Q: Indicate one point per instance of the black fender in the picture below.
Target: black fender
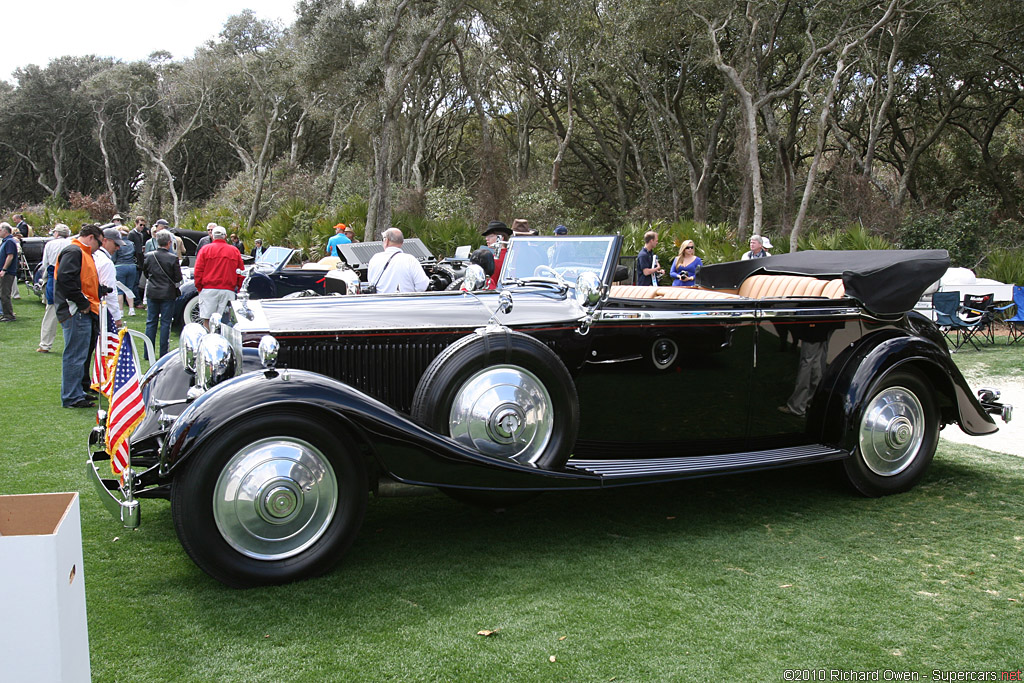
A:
(841, 397)
(261, 286)
(399, 447)
(188, 292)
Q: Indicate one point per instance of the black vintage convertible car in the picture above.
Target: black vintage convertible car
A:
(268, 436)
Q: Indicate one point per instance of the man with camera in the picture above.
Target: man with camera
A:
(392, 270)
(77, 292)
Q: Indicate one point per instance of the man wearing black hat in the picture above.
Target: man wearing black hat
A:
(497, 235)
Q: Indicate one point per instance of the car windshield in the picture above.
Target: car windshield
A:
(275, 256)
(557, 257)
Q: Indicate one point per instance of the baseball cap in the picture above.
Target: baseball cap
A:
(114, 235)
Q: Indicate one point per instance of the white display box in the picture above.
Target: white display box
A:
(44, 635)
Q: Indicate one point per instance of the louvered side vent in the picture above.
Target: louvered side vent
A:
(386, 370)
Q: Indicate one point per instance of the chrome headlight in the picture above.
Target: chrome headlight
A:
(588, 289)
(216, 361)
(268, 351)
(475, 278)
(191, 336)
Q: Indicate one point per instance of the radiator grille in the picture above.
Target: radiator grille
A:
(384, 368)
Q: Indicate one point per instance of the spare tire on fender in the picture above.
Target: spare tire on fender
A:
(503, 394)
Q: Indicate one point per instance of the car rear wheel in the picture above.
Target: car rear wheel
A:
(503, 394)
(897, 434)
(269, 500)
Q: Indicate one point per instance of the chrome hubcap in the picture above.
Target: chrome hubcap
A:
(275, 498)
(891, 431)
(503, 411)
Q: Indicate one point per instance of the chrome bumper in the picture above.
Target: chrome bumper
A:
(989, 399)
(119, 499)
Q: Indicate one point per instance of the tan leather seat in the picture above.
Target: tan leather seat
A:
(779, 286)
(754, 287)
(632, 292)
(835, 289)
(692, 293)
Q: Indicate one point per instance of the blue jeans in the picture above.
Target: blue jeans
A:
(77, 339)
(162, 311)
(128, 275)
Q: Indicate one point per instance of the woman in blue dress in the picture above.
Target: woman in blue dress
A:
(685, 265)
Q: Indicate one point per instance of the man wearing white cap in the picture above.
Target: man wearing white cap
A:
(217, 275)
(758, 247)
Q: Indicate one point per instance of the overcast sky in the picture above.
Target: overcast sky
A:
(36, 31)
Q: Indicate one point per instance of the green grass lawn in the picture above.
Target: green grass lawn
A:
(717, 579)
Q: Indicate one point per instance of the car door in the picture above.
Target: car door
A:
(666, 377)
(798, 340)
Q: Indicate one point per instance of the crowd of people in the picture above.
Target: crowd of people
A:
(92, 276)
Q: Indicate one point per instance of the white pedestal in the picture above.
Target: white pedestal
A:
(44, 635)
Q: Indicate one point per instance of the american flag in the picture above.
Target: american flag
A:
(126, 406)
(103, 358)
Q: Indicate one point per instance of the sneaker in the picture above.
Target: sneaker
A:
(42, 350)
(82, 403)
(7, 318)
(131, 311)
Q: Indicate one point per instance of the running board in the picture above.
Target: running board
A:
(640, 470)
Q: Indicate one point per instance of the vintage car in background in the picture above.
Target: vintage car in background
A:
(268, 435)
(282, 272)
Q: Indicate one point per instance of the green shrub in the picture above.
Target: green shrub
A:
(855, 238)
(43, 217)
(544, 209)
(295, 224)
(961, 232)
(1005, 265)
(444, 203)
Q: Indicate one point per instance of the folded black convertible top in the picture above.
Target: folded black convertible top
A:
(885, 281)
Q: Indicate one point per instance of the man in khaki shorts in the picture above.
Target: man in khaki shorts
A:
(217, 275)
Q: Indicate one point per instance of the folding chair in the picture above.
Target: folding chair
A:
(981, 305)
(1016, 322)
(948, 318)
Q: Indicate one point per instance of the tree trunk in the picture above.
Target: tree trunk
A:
(378, 215)
(556, 166)
(263, 165)
(108, 175)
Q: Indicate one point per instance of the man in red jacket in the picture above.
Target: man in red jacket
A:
(218, 275)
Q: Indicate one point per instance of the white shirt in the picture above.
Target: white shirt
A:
(403, 273)
(52, 250)
(108, 278)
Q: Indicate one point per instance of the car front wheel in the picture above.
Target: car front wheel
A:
(269, 500)
(503, 394)
(897, 433)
